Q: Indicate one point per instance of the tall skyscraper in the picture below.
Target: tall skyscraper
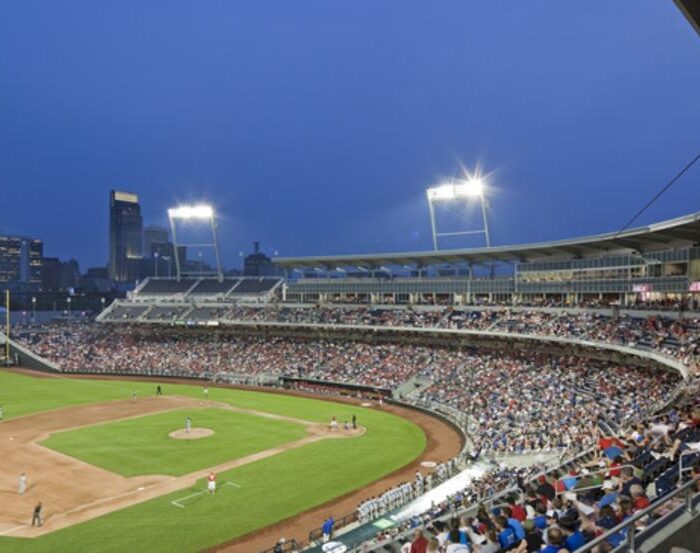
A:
(153, 235)
(125, 236)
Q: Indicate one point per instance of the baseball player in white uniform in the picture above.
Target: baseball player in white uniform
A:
(211, 483)
(22, 485)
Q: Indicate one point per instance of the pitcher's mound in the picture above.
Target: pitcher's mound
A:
(193, 434)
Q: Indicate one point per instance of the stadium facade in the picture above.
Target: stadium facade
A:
(657, 262)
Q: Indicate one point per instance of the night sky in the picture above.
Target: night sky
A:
(315, 126)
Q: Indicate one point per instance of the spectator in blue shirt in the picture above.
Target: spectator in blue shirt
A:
(327, 528)
(541, 516)
(513, 523)
(573, 536)
(506, 535)
(554, 539)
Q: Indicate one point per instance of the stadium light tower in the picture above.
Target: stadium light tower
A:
(468, 190)
(193, 213)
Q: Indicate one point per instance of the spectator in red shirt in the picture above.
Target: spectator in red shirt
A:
(518, 512)
(420, 543)
(639, 499)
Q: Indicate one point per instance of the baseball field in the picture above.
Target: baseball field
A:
(100, 457)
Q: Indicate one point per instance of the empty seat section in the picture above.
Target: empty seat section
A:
(212, 286)
(255, 285)
(166, 286)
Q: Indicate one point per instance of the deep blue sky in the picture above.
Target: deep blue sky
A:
(314, 126)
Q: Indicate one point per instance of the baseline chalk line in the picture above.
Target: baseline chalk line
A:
(177, 502)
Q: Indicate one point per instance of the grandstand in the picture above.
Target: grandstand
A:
(655, 267)
(659, 262)
(206, 288)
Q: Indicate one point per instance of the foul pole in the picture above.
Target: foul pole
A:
(7, 327)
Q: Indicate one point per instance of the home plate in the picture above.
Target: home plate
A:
(141, 488)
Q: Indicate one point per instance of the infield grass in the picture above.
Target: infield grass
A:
(140, 446)
(271, 489)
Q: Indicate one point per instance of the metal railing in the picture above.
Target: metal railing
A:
(681, 457)
(590, 474)
(633, 540)
(288, 546)
(316, 535)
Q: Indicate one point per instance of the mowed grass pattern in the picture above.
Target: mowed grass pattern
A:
(271, 489)
(140, 446)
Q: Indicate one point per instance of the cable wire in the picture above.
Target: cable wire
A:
(658, 194)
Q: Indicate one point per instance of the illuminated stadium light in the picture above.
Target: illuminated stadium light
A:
(198, 212)
(201, 211)
(470, 188)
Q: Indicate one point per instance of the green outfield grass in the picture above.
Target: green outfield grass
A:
(270, 490)
(140, 446)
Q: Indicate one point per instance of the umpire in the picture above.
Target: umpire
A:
(36, 516)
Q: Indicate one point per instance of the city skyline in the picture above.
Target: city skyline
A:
(317, 143)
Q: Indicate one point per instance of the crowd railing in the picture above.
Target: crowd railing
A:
(634, 540)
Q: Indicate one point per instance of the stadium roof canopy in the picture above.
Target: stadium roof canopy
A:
(683, 231)
(691, 10)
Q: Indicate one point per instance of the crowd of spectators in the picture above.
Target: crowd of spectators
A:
(126, 350)
(525, 402)
(664, 334)
(563, 510)
(668, 335)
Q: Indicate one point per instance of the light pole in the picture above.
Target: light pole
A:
(68, 300)
(102, 301)
(471, 188)
(192, 213)
(33, 309)
(155, 257)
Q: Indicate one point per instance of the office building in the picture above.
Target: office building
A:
(20, 260)
(125, 236)
(59, 275)
(153, 235)
(259, 264)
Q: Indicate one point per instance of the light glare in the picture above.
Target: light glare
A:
(457, 189)
(191, 212)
